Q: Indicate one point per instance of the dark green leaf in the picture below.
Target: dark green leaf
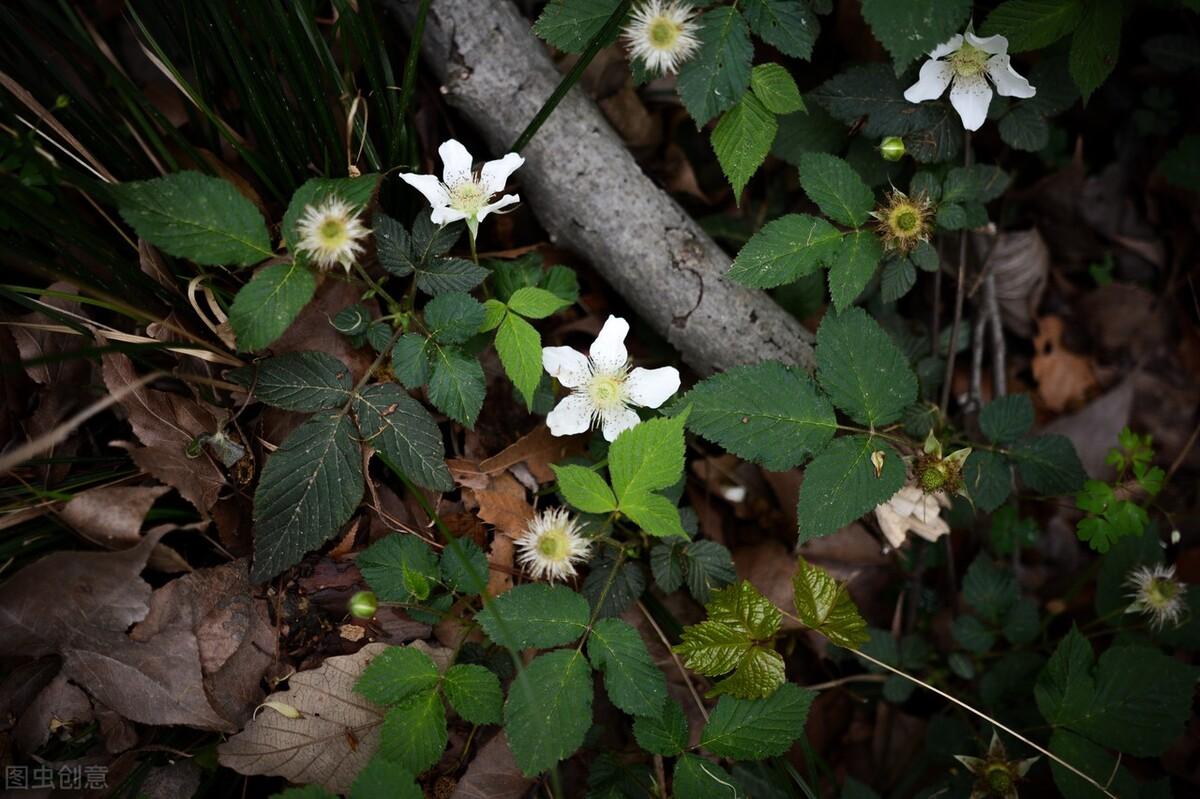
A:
(410, 360)
(665, 734)
(397, 673)
(269, 303)
(535, 615)
(912, 28)
(987, 479)
(786, 249)
(708, 566)
(1049, 465)
(742, 140)
(633, 682)
(549, 710)
(414, 732)
(1007, 418)
(697, 778)
(474, 693)
(753, 729)
(442, 275)
(453, 317)
(862, 370)
(836, 188)
(973, 634)
(297, 381)
(612, 584)
(840, 484)
(399, 568)
(457, 387)
(787, 25)
(1096, 45)
(383, 779)
(401, 430)
(570, 25)
(719, 74)
(1032, 24)
(990, 590)
(853, 266)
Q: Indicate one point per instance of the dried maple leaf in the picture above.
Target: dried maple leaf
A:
(1064, 379)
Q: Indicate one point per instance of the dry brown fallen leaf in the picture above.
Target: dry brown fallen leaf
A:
(1020, 262)
(111, 516)
(493, 774)
(332, 740)
(537, 449)
(1064, 378)
(1094, 428)
(60, 704)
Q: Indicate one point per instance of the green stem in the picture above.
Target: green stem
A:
(474, 252)
(393, 305)
(594, 46)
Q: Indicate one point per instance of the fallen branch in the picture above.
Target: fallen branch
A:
(592, 197)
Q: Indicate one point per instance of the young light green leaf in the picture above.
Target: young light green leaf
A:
(825, 605)
(264, 307)
(494, 312)
(863, 372)
(836, 188)
(914, 27)
(789, 27)
(631, 679)
(648, 457)
(414, 732)
(474, 693)
(776, 88)
(401, 430)
(1007, 418)
(1032, 24)
(655, 514)
(754, 729)
(397, 673)
(309, 488)
(852, 266)
(535, 615)
(549, 710)
(768, 413)
(197, 217)
(664, 734)
(719, 74)
(535, 303)
(519, 346)
(584, 489)
(841, 484)
(399, 568)
(453, 317)
(456, 387)
(742, 140)
(297, 381)
(786, 249)
(736, 637)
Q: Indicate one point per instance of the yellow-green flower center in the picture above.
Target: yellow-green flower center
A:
(1161, 592)
(663, 32)
(333, 231)
(468, 197)
(999, 779)
(607, 391)
(968, 61)
(553, 545)
(907, 220)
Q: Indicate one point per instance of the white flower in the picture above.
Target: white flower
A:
(330, 233)
(552, 545)
(969, 64)
(662, 35)
(602, 385)
(462, 193)
(912, 510)
(1157, 593)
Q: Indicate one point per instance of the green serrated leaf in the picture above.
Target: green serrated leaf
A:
(570, 25)
(474, 693)
(264, 308)
(990, 590)
(786, 249)
(664, 734)
(1049, 464)
(874, 92)
(852, 266)
(443, 275)
(707, 566)
(549, 710)
(825, 605)
(535, 303)
(1096, 45)
(309, 488)
(667, 566)
(410, 360)
(788, 26)
(396, 674)
(464, 566)
(535, 615)
(197, 217)
(1032, 24)
(393, 245)
(768, 413)
(297, 381)
(453, 317)
(633, 682)
(697, 778)
(862, 370)
(1007, 418)
(383, 779)
(718, 75)
(973, 634)
(736, 637)
(754, 729)
(836, 188)
(402, 431)
(519, 346)
(742, 140)
(654, 514)
(840, 484)
(913, 28)
(396, 564)
(584, 489)
(987, 478)
(979, 183)
(612, 584)
(413, 734)
(898, 278)
(1023, 128)
(775, 87)
(351, 320)
(648, 457)
(456, 386)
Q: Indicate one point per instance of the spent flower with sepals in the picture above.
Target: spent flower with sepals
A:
(331, 234)
(662, 35)
(912, 510)
(552, 545)
(970, 65)
(462, 193)
(996, 776)
(903, 222)
(603, 387)
(1156, 593)
(936, 472)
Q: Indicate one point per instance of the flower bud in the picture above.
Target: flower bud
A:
(892, 148)
(363, 605)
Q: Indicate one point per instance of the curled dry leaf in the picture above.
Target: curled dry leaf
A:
(333, 739)
(1020, 262)
(111, 516)
(537, 449)
(60, 704)
(1064, 378)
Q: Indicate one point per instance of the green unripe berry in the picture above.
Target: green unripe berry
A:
(892, 148)
(933, 478)
(363, 605)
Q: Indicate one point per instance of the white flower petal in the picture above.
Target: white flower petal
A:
(608, 351)
(618, 421)
(569, 366)
(947, 47)
(933, 80)
(445, 215)
(456, 162)
(989, 44)
(494, 174)
(503, 202)
(1009, 82)
(650, 388)
(430, 186)
(572, 415)
(971, 98)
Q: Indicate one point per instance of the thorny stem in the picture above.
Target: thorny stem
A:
(960, 290)
(594, 46)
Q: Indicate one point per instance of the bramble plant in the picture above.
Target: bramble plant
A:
(503, 547)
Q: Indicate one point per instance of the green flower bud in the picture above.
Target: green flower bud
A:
(892, 148)
(363, 605)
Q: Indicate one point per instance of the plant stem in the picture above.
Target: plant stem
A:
(474, 252)
(959, 293)
(393, 306)
(594, 46)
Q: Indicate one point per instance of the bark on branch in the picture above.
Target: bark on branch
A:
(592, 197)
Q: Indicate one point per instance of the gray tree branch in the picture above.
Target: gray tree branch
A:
(591, 196)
